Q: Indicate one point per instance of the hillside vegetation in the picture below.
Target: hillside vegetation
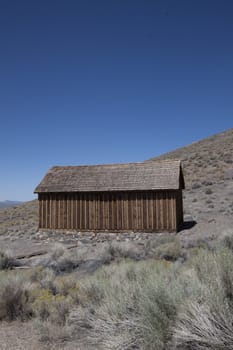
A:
(208, 160)
(19, 220)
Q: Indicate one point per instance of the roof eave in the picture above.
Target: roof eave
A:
(106, 190)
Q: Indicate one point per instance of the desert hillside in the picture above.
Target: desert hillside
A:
(208, 170)
(19, 220)
(210, 159)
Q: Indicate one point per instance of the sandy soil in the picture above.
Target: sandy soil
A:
(23, 336)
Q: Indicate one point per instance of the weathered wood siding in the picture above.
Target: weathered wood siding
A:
(114, 211)
(179, 208)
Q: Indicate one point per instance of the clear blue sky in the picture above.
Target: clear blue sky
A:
(105, 81)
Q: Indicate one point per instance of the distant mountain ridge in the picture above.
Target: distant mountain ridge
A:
(9, 203)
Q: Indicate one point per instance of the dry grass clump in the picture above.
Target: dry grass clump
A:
(201, 328)
(39, 295)
(120, 250)
(52, 333)
(52, 298)
(49, 307)
(14, 297)
(117, 250)
(50, 314)
(60, 260)
(43, 278)
(160, 305)
(130, 305)
(7, 261)
(166, 247)
(227, 239)
(205, 322)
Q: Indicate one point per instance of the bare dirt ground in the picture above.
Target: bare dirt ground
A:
(24, 336)
(18, 336)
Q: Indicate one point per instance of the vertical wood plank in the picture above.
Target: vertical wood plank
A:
(90, 211)
(130, 218)
(74, 212)
(145, 211)
(78, 224)
(47, 212)
(110, 212)
(39, 211)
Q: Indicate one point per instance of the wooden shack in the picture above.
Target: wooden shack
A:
(117, 197)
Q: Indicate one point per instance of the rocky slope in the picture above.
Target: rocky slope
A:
(205, 161)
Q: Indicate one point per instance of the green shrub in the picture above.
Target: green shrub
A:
(42, 299)
(7, 261)
(201, 328)
(227, 240)
(214, 270)
(50, 315)
(155, 305)
(60, 260)
(122, 250)
(57, 251)
(44, 278)
(14, 297)
(50, 333)
(65, 284)
(136, 304)
(48, 307)
(205, 322)
(165, 247)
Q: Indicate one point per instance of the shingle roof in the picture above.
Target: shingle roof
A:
(150, 175)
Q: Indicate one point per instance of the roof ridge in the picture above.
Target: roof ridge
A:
(115, 164)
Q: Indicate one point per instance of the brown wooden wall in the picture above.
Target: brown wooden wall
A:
(179, 208)
(134, 211)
